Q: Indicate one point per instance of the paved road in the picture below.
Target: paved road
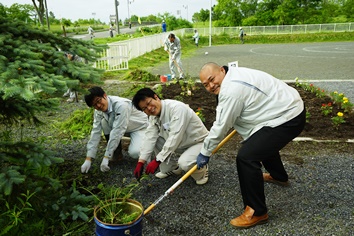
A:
(325, 64)
(105, 34)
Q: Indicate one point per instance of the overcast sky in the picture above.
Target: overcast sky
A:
(102, 9)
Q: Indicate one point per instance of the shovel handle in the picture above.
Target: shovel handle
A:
(186, 175)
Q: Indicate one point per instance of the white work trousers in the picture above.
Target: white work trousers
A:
(136, 139)
(176, 63)
(186, 159)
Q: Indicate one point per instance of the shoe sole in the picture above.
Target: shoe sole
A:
(261, 222)
(168, 174)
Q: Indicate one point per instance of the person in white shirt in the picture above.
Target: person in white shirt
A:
(268, 114)
(196, 37)
(241, 34)
(173, 46)
(115, 117)
(174, 136)
(90, 32)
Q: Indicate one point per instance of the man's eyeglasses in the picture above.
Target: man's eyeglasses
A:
(147, 104)
(96, 102)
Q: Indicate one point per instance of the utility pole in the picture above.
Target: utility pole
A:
(46, 12)
(186, 7)
(116, 3)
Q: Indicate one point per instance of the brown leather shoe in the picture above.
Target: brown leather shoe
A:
(247, 219)
(269, 179)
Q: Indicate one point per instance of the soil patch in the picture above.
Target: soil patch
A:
(319, 126)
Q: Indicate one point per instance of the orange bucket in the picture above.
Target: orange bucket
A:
(163, 78)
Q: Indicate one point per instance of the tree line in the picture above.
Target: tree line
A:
(277, 12)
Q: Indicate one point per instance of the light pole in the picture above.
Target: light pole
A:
(116, 3)
(210, 23)
(130, 22)
(93, 15)
(186, 7)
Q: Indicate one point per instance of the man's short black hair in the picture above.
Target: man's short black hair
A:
(94, 92)
(171, 36)
(141, 95)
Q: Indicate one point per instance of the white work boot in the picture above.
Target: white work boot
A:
(161, 175)
(205, 177)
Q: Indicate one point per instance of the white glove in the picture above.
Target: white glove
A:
(104, 164)
(86, 166)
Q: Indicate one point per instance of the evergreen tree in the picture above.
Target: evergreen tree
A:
(33, 66)
(34, 69)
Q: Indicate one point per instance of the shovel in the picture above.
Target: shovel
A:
(186, 175)
(176, 64)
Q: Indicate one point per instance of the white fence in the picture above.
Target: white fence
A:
(275, 29)
(114, 58)
(119, 53)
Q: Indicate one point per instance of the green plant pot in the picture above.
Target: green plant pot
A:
(129, 214)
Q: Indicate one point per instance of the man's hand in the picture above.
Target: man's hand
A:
(104, 164)
(139, 170)
(152, 167)
(202, 160)
(86, 166)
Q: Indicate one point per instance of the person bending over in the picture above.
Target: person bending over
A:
(268, 114)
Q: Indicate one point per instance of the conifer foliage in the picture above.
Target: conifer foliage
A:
(34, 71)
(33, 66)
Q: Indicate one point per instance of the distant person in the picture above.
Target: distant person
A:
(174, 137)
(71, 93)
(130, 24)
(196, 37)
(115, 117)
(164, 26)
(241, 34)
(111, 28)
(268, 114)
(91, 32)
(173, 47)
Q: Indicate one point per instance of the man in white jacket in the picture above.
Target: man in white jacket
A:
(115, 117)
(174, 136)
(268, 114)
(196, 37)
(173, 47)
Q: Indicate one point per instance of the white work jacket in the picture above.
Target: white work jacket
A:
(249, 100)
(173, 48)
(178, 125)
(122, 118)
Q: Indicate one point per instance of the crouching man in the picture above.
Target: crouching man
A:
(175, 136)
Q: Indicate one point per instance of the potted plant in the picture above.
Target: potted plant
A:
(116, 213)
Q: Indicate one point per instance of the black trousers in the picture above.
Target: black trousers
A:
(263, 148)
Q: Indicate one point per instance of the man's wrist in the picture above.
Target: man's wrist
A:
(88, 159)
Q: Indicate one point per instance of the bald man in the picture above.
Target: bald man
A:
(268, 114)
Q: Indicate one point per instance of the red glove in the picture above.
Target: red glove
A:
(139, 170)
(152, 167)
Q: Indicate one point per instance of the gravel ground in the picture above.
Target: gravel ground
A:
(319, 200)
